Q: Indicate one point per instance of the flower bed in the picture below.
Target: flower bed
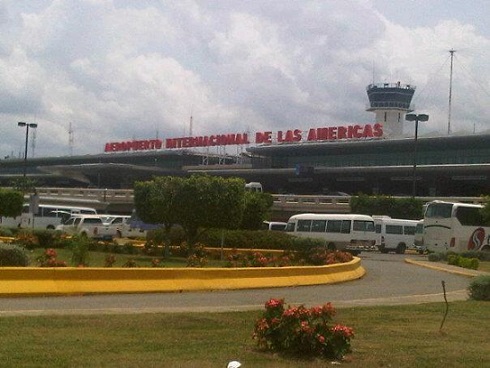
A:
(301, 331)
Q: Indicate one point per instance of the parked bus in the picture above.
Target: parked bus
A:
(352, 233)
(456, 227)
(394, 235)
(418, 240)
(49, 216)
(10, 221)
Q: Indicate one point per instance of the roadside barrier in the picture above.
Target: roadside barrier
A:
(66, 280)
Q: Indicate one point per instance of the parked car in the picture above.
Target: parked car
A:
(121, 223)
(91, 226)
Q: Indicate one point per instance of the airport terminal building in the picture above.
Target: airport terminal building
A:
(371, 158)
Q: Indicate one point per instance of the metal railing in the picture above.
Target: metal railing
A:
(127, 195)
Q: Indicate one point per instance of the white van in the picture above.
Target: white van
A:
(274, 225)
(394, 235)
(254, 186)
(347, 232)
(49, 216)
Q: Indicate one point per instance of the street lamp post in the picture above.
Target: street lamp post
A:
(27, 125)
(416, 118)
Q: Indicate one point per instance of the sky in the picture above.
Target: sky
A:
(90, 72)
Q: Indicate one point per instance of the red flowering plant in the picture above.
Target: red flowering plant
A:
(48, 259)
(301, 331)
(198, 256)
(155, 262)
(109, 260)
(323, 256)
(27, 240)
(259, 260)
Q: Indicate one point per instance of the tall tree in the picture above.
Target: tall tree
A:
(257, 209)
(11, 202)
(196, 203)
(209, 202)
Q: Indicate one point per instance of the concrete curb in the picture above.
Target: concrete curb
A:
(446, 268)
(65, 280)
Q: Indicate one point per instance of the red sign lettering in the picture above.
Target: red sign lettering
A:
(289, 136)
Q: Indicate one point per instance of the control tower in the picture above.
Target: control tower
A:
(390, 102)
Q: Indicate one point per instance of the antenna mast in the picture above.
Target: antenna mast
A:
(452, 51)
(70, 139)
(33, 143)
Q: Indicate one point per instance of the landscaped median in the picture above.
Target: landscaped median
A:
(62, 280)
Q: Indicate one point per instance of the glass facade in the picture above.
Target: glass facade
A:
(377, 155)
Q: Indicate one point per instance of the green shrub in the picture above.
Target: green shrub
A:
(453, 260)
(481, 256)
(12, 255)
(239, 239)
(129, 248)
(6, 231)
(159, 236)
(80, 247)
(460, 261)
(47, 238)
(247, 239)
(470, 263)
(479, 288)
(434, 257)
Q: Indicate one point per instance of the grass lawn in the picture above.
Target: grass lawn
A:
(484, 266)
(395, 336)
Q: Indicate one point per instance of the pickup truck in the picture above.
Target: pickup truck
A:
(91, 226)
(122, 226)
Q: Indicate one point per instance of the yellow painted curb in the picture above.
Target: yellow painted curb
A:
(65, 280)
(439, 267)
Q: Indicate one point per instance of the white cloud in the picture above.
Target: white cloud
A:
(123, 69)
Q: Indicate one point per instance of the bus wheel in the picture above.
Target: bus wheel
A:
(50, 227)
(401, 249)
(331, 246)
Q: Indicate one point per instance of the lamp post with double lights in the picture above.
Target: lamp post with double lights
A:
(27, 125)
(416, 118)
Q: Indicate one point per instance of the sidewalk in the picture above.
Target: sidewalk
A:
(447, 268)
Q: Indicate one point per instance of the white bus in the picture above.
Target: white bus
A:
(456, 227)
(49, 216)
(394, 235)
(352, 233)
(418, 240)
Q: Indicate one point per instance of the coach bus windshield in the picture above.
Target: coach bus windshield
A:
(439, 210)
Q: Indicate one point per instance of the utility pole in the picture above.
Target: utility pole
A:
(452, 51)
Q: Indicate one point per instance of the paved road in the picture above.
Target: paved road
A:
(389, 281)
